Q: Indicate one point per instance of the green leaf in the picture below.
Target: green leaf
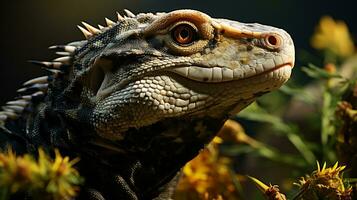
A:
(318, 73)
(327, 128)
(4, 193)
(299, 93)
(266, 152)
(236, 183)
(256, 113)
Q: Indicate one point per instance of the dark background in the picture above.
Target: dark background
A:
(29, 27)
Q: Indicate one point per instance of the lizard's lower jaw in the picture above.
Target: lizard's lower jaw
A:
(222, 74)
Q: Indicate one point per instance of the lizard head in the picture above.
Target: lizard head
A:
(183, 64)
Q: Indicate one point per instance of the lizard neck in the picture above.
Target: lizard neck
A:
(149, 157)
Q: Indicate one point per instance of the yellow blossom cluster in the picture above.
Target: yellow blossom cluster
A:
(324, 183)
(207, 177)
(333, 36)
(43, 179)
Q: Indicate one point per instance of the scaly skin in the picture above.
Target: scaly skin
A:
(139, 98)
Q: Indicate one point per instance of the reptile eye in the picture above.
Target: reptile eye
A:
(184, 34)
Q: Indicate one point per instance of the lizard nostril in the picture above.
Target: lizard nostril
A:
(273, 41)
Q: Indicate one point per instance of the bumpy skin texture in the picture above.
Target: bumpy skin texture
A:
(139, 98)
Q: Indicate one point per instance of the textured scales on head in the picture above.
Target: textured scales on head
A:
(147, 92)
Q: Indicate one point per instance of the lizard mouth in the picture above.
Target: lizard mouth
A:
(221, 74)
(102, 88)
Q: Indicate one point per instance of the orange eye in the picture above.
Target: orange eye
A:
(184, 34)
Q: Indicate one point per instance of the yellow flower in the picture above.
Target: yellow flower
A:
(208, 176)
(15, 172)
(42, 178)
(333, 36)
(59, 177)
(324, 183)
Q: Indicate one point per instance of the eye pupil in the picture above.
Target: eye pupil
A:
(183, 34)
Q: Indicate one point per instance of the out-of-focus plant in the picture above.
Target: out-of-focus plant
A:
(43, 178)
(271, 192)
(333, 36)
(347, 134)
(208, 176)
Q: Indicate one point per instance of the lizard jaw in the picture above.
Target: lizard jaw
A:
(221, 74)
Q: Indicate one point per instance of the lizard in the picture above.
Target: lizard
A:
(140, 97)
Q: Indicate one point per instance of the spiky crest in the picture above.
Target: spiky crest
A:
(35, 89)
